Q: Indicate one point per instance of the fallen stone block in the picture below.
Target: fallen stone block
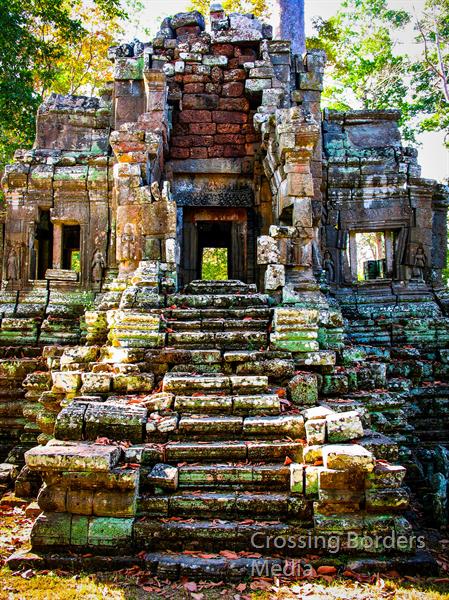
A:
(316, 412)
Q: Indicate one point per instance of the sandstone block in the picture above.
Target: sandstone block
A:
(66, 381)
(274, 277)
(52, 529)
(296, 478)
(315, 431)
(303, 389)
(95, 383)
(380, 500)
(77, 457)
(352, 456)
(164, 476)
(344, 426)
(110, 532)
(267, 250)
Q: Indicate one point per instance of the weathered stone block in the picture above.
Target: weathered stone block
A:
(296, 478)
(110, 532)
(52, 529)
(315, 431)
(95, 383)
(76, 457)
(274, 277)
(66, 381)
(164, 476)
(388, 499)
(342, 427)
(352, 457)
(303, 389)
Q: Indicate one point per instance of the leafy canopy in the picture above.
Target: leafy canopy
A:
(257, 7)
(46, 45)
(367, 67)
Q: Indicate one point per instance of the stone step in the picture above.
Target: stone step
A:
(237, 405)
(269, 476)
(221, 339)
(212, 325)
(187, 314)
(216, 451)
(231, 504)
(188, 384)
(229, 286)
(217, 300)
(234, 427)
(221, 566)
(211, 536)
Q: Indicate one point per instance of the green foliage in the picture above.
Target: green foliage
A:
(364, 70)
(215, 264)
(37, 36)
(430, 75)
(257, 7)
(367, 70)
(75, 261)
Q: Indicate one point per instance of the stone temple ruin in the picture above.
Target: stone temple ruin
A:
(152, 411)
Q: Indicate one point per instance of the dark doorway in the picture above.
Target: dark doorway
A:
(209, 228)
(42, 253)
(71, 236)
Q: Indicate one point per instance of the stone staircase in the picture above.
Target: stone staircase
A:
(230, 315)
(205, 440)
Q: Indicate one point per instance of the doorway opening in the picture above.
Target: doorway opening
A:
(214, 264)
(214, 249)
(42, 257)
(214, 244)
(71, 245)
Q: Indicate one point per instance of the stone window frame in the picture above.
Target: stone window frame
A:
(393, 254)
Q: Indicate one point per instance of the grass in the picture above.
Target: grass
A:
(134, 584)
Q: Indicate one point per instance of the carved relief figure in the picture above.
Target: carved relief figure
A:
(419, 263)
(329, 267)
(128, 243)
(98, 264)
(12, 270)
(297, 243)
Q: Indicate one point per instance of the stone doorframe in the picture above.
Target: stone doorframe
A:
(238, 242)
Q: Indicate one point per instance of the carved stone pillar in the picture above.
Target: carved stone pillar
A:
(57, 245)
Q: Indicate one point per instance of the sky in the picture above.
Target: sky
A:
(433, 156)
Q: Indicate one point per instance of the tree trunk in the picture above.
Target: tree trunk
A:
(291, 24)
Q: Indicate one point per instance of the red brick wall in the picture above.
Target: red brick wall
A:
(215, 120)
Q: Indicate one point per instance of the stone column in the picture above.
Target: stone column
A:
(57, 245)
